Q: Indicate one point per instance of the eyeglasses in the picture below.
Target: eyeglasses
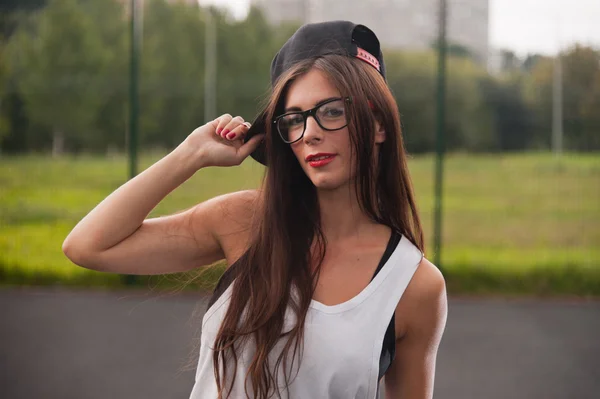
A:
(330, 115)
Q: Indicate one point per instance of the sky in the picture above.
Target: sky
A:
(524, 26)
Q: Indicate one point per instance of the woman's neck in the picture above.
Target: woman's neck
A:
(341, 216)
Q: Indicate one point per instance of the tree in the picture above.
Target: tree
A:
(4, 119)
(246, 49)
(412, 78)
(531, 61)
(468, 118)
(580, 66)
(110, 122)
(13, 119)
(172, 78)
(590, 111)
(172, 72)
(58, 68)
(509, 61)
(512, 117)
(455, 50)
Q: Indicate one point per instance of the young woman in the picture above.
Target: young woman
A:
(327, 291)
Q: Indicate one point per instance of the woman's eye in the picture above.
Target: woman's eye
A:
(295, 120)
(333, 112)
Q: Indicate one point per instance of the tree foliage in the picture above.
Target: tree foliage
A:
(64, 74)
(580, 69)
(59, 69)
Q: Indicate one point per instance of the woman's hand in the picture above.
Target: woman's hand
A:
(221, 142)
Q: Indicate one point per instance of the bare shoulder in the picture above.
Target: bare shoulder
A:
(230, 217)
(238, 203)
(428, 282)
(424, 304)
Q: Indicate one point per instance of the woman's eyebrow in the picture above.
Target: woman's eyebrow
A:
(320, 102)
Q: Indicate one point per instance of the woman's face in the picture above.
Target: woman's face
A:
(325, 156)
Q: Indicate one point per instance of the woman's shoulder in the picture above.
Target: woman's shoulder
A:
(424, 300)
(428, 281)
(237, 198)
(232, 217)
(238, 206)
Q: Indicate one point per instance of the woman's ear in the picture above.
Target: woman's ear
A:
(379, 132)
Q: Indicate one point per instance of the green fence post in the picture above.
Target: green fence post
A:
(440, 145)
(135, 39)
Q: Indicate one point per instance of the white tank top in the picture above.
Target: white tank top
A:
(342, 343)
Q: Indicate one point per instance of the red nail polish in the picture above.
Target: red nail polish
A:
(219, 129)
(225, 132)
(231, 136)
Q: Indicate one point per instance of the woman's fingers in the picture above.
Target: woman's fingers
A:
(228, 130)
(238, 132)
(247, 148)
(231, 128)
(223, 121)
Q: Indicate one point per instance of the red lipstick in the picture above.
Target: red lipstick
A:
(320, 159)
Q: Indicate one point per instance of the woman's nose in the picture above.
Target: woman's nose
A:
(313, 131)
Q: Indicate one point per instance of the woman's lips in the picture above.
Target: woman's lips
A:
(322, 161)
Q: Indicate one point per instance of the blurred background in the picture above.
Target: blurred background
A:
(500, 105)
(90, 95)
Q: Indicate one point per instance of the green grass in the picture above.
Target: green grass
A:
(513, 224)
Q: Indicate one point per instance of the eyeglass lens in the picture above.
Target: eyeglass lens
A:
(330, 116)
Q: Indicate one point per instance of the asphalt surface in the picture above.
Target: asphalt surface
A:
(89, 345)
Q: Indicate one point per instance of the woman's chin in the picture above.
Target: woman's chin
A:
(326, 182)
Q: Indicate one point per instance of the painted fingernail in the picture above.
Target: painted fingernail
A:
(231, 136)
(225, 132)
(219, 129)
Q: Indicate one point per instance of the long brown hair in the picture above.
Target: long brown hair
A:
(279, 271)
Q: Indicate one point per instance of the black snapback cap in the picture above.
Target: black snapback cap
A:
(314, 41)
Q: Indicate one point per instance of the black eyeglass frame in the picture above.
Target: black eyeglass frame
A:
(311, 112)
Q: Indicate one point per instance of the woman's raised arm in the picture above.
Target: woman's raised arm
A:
(116, 236)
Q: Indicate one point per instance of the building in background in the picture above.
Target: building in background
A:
(406, 24)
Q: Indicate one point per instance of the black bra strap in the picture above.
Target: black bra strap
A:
(388, 349)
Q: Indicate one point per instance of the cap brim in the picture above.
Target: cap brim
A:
(259, 126)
